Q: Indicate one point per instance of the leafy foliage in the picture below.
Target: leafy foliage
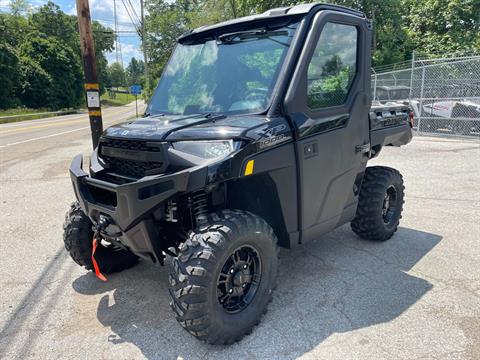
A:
(9, 75)
(116, 75)
(34, 82)
(19, 7)
(400, 26)
(45, 43)
(429, 27)
(134, 72)
(62, 66)
(447, 26)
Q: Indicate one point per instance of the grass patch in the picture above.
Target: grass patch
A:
(22, 114)
(118, 100)
(21, 111)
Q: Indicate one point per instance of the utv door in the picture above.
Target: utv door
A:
(329, 102)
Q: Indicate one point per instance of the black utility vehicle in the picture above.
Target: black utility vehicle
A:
(257, 136)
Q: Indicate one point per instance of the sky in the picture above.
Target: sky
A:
(102, 11)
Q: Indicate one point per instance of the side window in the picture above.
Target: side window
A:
(333, 66)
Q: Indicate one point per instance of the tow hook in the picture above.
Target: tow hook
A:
(101, 225)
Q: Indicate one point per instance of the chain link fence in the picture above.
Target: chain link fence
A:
(443, 92)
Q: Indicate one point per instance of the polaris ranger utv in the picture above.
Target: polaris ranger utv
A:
(256, 137)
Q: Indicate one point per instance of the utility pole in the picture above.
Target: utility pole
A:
(118, 44)
(115, 25)
(90, 70)
(144, 44)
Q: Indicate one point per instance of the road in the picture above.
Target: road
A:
(415, 296)
(19, 133)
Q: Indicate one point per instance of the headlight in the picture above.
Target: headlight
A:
(205, 149)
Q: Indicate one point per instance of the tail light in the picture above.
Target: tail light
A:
(410, 119)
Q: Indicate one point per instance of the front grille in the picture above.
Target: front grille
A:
(132, 158)
(132, 145)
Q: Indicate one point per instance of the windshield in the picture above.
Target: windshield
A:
(234, 73)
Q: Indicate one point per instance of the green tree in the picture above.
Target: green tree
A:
(165, 22)
(13, 29)
(9, 76)
(61, 64)
(40, 67)
(390, 39)
(34, 84)
(447, 26)
(169, 19)
(52, 21)
(19, 7)
(116, 75)
(135, 71)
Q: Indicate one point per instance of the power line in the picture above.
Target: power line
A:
(135, 15)
(131, 17)
(113, 21)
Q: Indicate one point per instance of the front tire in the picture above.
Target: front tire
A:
(78, 236)
(380, 204)
(223, 278)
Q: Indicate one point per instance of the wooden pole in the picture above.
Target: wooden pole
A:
(90, 70)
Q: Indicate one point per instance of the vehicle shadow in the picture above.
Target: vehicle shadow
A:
(333, 285)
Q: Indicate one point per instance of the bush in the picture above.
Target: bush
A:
(61, 80)
(34, 83)
(9, 76)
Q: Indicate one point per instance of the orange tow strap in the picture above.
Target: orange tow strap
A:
(98, 274)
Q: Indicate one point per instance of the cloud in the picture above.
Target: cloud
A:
(128, 51)
(103, 12)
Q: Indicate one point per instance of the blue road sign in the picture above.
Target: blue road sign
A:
(135, 89)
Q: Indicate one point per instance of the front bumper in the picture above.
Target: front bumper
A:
(128, 207)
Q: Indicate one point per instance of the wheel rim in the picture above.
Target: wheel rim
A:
(389, 204)
(239, 279)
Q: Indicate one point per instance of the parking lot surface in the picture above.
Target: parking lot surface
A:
(416, 296)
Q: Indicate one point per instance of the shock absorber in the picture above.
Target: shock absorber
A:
(200, 207)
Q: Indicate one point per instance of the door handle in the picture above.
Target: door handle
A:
(310, 149)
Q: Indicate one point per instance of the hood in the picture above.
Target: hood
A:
(182, 127)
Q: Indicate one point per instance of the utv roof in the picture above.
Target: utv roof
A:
(262, 19)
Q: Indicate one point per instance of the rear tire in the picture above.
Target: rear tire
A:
(78, 237)
(223, 278)
(380, 204)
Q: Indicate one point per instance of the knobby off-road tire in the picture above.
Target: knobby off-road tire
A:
(78, 236)
(199, 288)
(380, 204)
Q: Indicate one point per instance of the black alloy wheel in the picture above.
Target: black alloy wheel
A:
(390, 203)
(239, 279)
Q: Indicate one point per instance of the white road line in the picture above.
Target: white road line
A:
(43, 137)
(47, 136)
(106, 111)
(42, 121)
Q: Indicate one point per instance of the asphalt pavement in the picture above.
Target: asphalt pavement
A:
(22, 132)
(416, 296)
